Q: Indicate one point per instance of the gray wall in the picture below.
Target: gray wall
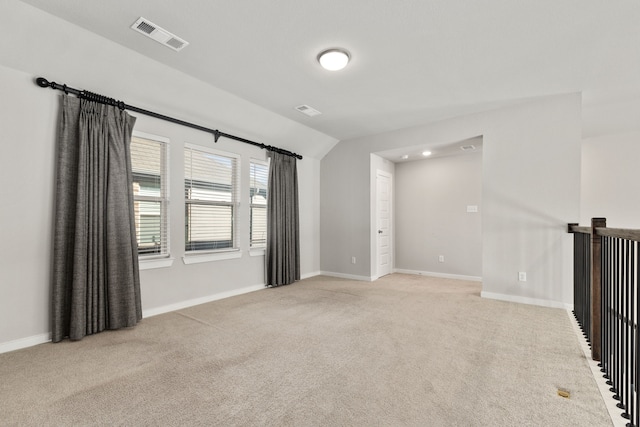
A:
(431, 199)
(28, 114)
(530, 190)
(610, 185)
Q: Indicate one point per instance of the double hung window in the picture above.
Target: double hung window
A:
(258, 180)
(150, 193)
(211, 199)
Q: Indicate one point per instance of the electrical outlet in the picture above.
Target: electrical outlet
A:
(522, 276)
(353, 260)
(441, 258)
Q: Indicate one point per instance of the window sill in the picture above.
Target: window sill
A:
(257, 252)
(212, 256)
(148, 264)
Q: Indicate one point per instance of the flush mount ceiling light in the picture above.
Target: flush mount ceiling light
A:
(334, 59)
(426, 153)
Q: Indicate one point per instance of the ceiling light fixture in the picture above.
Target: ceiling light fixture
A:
(426, 153)
(334, 59)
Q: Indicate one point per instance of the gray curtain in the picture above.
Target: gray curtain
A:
(283, 235)
(96, 283)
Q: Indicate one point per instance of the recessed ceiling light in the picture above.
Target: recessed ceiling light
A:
(426, 153)
(334, 59)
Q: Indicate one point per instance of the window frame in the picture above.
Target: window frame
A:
(210, 254)
(163, 258)
(256, 248)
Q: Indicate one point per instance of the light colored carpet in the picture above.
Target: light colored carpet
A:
(401, 351)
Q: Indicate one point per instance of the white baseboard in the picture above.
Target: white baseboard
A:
(347, 276)
(308, 275)
(442, 275)
(202, 300)
(524, 300)
(46, 337)
(6, 347)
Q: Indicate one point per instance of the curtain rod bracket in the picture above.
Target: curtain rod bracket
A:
(216, 135)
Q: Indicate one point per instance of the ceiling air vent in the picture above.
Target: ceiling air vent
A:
(305, 109)
(162, 36)
(468, 147)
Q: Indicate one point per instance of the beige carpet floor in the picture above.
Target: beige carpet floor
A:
(401, 351)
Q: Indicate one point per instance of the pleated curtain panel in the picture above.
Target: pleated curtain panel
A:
(96, 284)
(283, 229)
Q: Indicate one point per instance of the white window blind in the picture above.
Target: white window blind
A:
(258, 181)
(211, 199)
(150, 195)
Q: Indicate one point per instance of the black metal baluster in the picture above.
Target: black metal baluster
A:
(576, 269)
(636, 375)
(615, 377)
(624, 338)
(587, 286)
(605, 364)
(633, 398)
(578, 296)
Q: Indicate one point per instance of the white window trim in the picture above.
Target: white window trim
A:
(148, 262)
(151, 263)
(258, 251)
(194, 257)
(200, 257)
(146, 135)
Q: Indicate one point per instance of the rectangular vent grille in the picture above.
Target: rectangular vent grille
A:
(175, 43)
(146, 28)
(162, 36)
(307, 110)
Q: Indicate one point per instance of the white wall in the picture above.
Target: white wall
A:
(610, 184)
(531, 189)
(431, 199)
(59, 51)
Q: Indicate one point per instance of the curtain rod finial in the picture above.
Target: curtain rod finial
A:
(42, 82)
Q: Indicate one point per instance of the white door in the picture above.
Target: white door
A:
(383, 214)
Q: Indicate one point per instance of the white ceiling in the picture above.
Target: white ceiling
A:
(413, 61)
(455, 148)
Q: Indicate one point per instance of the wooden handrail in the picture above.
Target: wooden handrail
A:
(620, 233)
(574, 228)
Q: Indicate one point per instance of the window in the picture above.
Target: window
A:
(150, 195)
(258, 180)
(211, 200)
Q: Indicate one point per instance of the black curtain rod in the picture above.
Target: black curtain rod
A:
(85, 94)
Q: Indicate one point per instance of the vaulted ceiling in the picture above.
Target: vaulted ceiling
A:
(413, 61)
